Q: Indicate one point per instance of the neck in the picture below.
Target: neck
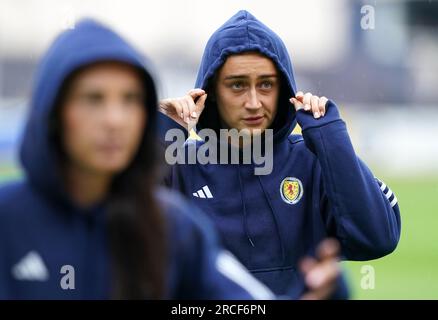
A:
(86, 187)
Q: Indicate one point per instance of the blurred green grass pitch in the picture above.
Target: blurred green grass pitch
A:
(411, 271)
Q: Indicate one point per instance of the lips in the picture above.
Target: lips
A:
(254, 120)
(110, 148)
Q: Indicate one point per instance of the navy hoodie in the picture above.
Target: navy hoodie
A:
(318, 187)
(45, 236)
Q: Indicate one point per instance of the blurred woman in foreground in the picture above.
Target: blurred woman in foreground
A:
(88, 221)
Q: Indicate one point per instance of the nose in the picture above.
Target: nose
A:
(253, 102)
(114, 116)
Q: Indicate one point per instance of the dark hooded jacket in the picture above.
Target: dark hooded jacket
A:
(318, 187)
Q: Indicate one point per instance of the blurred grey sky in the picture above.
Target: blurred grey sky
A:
(28, 26)
(325, 39)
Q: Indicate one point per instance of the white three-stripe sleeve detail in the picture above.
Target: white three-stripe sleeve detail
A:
(394, 201)
(388, 194)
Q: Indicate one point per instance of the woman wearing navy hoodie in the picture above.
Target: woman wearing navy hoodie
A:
(87, 221)
(318, 187)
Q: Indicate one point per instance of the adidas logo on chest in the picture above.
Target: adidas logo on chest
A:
(204, 192)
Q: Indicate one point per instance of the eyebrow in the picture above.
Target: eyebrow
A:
(242, 76)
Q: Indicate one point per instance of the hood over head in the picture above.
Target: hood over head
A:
(88, 43)
(244, 33)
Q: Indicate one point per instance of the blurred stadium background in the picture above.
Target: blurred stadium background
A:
(385, 80)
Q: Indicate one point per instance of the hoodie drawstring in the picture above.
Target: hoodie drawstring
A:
(245, 218)
(283, 250)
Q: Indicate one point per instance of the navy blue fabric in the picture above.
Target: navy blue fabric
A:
(341, 197)
(42, 229)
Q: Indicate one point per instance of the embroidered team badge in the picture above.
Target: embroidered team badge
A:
(291, 190)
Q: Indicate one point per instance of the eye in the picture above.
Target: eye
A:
(266, 85)
(237, 85)
(92, 98)
(133, 98)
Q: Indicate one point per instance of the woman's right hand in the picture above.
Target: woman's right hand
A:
(184, 110)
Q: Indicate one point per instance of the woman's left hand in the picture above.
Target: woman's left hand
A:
(322, 273)
(310, 103)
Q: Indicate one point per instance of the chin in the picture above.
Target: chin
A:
(111, 166)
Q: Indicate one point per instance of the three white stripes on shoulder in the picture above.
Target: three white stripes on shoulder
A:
(388, 193)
